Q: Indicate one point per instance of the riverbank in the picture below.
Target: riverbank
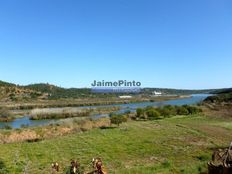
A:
(20, 106)
(98, 110)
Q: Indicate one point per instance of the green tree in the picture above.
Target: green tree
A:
(117, 119)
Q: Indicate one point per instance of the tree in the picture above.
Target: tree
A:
(117, 119)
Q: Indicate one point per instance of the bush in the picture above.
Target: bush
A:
(127, 112)
(4, 113)
(7, 127)
(118, 119)
(3, 168)
(152, 114)
(168, 111)
(149, 107)
(172, 109)
(139, 112)
(181, 110)
(192, 109)
(165, 112)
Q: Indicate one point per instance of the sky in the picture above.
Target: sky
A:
(160, 43)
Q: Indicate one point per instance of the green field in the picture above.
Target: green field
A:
(180, 144)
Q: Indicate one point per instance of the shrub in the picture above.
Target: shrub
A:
(181, 110)
(7, 127)
(167, 111)
(192, 109)
(149, 107)
(127, 112)
(3, 168)
(139, 112)
(172, 109)
(4, 113)
(118, 119)
(152, 114)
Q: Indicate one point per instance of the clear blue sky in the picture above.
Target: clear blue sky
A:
(161, 43)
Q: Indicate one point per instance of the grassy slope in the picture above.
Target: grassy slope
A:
(175, 145)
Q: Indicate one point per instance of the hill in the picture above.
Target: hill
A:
(223, 95)
(55, 92)
(6, 84)
(170, 91)
(13, 92)
(222, 91)
(220, 104)
(58, 92)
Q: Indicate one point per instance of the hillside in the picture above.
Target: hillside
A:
(6, 84)
(224, 95)
(13, 92)
(220, 104)
(55, 92)
(221, 91)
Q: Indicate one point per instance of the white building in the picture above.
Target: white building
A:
(157, 93)
(125, 96)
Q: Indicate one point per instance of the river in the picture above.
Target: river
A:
(25, 121)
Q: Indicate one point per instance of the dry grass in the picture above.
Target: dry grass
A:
(69, 112)
(218, 110)
(51, 131)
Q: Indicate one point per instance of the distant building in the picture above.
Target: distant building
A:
(157, 93)
(125, 96)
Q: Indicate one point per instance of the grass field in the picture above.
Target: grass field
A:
(180, 144)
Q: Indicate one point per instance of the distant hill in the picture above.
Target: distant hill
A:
(13, 92)
(43, 87)
(55, 92)
(223, 95)
(58, 92)
(6, 84)
(222, 91)
(177, 91)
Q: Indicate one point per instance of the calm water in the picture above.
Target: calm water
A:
(196, 98)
